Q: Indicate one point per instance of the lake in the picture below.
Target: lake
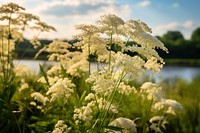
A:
(168, 71)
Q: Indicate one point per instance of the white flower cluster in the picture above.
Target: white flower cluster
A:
(57, 48)
(154, 92)
(152, 64)
(131, 65)
(128, 125)
(156, 122)
(22, 70)
(35, 42)
(103, 104)
(84, 113)
(23, 86)
(39, 97)
(63, 88)
(126, 89)
(169, 105)
(103, 83)
(60, 127)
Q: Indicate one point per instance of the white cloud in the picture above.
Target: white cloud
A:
(175, 25)
(168, 26)
(175, 5)
(188, 24)
(185, 27)
(144, 3)
(82, 11)
(65, 22)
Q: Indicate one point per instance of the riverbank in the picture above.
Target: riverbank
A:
(183, 62)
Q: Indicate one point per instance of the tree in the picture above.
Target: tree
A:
(196, 35)
(173, 36)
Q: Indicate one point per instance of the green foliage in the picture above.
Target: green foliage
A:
(173, 36)
(179, 47)
(196, 36)
(187, 121)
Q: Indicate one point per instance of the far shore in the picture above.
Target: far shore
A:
(183, 62)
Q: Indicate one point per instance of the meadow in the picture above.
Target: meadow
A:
(70, 97)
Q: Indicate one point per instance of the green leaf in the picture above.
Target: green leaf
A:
(12, 91)
(60, 102)
(82, 97)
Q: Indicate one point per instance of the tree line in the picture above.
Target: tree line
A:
(178, 46)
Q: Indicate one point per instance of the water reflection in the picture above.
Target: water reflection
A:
(168, 72)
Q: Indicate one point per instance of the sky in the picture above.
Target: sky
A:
(160, 15)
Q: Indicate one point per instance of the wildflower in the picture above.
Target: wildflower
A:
(39, 97)
(87, 30)
(173, 103)
(35, 42)
(93, 45)
(156, 118)
(23, 86)
(54, 70)
(145, 27)
(168, 105)
(33, 104)
(39, 107)
(103, 82)
(153, 91)
(106, 105)
(147, 40)
(157, 122)
(153, 64)
(23, 19)
(78, 67)
(51, 80)
(125, 89)
(89, 97)
(60, 127)
(155, 127)
(128, 125)
(58, 46)
(43, 27)
(10, 8)
(131, 27)
(110, 24)
(63, 88)
(131, 65)
(22, 70)
(84, 113)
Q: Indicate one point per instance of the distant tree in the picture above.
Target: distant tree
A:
(196, 35)
(173, 36)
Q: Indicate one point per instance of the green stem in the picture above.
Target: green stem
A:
(3, 62)
(111, 97)
(89, 56)
(109, 61)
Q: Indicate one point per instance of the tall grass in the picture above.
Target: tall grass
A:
(188, 94)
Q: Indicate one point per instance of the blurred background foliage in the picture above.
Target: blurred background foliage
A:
(178, 46)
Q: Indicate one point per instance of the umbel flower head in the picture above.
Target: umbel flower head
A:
(110, 24)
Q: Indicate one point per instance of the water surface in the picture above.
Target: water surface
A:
(168, 71)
